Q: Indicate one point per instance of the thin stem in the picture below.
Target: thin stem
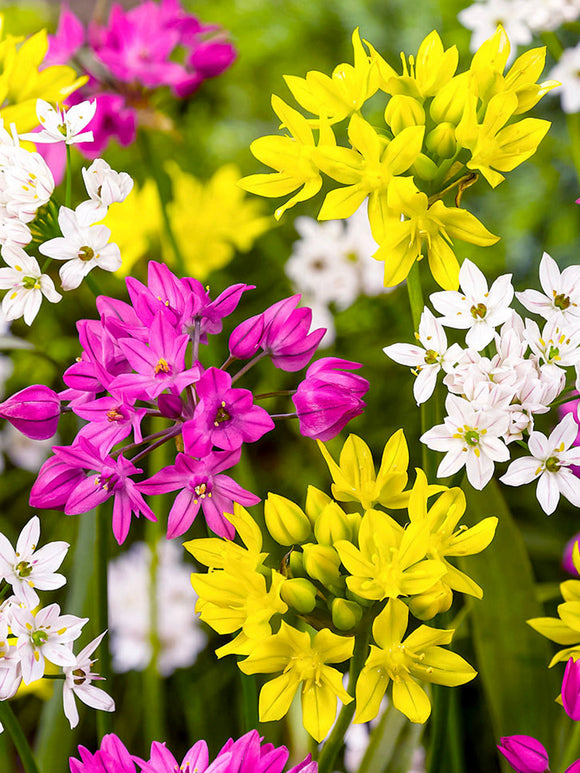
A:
(247, 366)
(93, 286)
(284, 416)
(415, 292)
(104, 718)
(175, 431)
(12, 725)
(249, 701)
(569, 399)
(147, 439)
(68, 188)
(228, 362)
(335, 740)
(195, 340)
(280, 393)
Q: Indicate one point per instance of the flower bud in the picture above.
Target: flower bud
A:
(34, 411)
(403, 111)
(354, 520)
(322, 563)
(296, 564)
(425, 167)
(285, 521)
(571, 689)
(316, 501)
(442, 140)
(437, 599)
(300, 594)
(332, 525)
(246, 338)
(345, 614)
(170, 405)
(450, 101)
(524, 754)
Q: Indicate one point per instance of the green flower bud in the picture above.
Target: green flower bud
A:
(316, 501)
(442, 140)
(345, 614)
(425, 167)
(332, 525)
(300, 594)
(296, 564)
(403, 111)
(322, 563)
(437, 599)
(286, 522)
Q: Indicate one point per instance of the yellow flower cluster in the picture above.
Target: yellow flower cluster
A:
(441, 130)
(347, 578)
(564, 629)
(23, 79)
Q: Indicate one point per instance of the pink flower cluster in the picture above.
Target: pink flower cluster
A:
(132, 55)
(141, 360)
(245, 755)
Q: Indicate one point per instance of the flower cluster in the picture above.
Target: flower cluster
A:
(493, 396)
(245, 755)
(331, 265)
(344, 574)
(133, 369)
(29, 214)
(131, 57)
(133, 624)
(441, 131)
(31, 635)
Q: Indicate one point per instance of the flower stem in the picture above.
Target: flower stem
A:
(104, 718)
(12, 725)
(335, 740)
(249, 701)
(247, 366)
(68, 179)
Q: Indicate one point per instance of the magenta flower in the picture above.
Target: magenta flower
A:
(329, 397)
(111, 419)
(224, 417)
(524, 754)
(571, 689)
(34, 411)
(567, 562)
(202, 486)
(112, 757)
(286, 338)
(54, 484)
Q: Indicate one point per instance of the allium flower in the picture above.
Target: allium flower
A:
(34, 411)
(63, 125)
(524, 754)
(571, 689)
(550, 466)
(112, 756)
(78, 681)
(483, 18)
(561, 299)
(26, 285)
(566, 72)
(27, 568)
(286, 338)
(104, 185)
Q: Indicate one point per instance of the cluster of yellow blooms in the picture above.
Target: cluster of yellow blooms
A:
(440, 131)
(346, 575)
(564, 629)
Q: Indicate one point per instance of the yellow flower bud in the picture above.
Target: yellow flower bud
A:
(425, 167)
(332, 525)
(354, 520)
(345, 614)
(322, 563)
(285, 521)
(442, 140)
(300, 594)
(316, 501)
(296, 564)
(403, 111)
(450, 102)
(437, 599)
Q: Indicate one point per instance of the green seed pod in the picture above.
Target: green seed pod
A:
(286, 522)
(403, 111)
(345, 614)
(332, 525)
(300, 594)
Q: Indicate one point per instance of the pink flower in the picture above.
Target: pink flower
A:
(567, 561)
(524, 754)
(329, 397)
(112, 757)
(34, 411)
(571, 689)
(286, 338)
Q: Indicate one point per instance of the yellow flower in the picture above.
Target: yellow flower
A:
(406, 662)
(213, 219)
(303, 660)
(135, 225)
(22, 81)
(434, 226)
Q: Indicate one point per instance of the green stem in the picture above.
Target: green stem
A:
(152, 684)
(157, 173)
(415, 292)
(68, 188)
(572, 750)
(335, 740)
(12, 725)
(249, 701)
(92, 285)
(104, 718)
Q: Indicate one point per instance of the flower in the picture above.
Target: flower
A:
(571, 689)
(566, 73)
(483, 18)
(34, 411)
(64, 125)
(561, 299)
(26, 285)
(78, 681)
(550, 466)
(104, 185)
(524, 754)
(112, 755)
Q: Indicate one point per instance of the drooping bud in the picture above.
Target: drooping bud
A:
(332, 525)
(345, 614)
(34, 411)
(286, 522)
(246, 338)
(300, 594)
(524, 753)
(322, 563)
(403, 111)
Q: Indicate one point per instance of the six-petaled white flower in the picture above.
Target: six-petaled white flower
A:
(63, 124)
(26, 285)
(78, 681)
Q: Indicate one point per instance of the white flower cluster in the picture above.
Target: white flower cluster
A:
(30, 636)
(178, 633)
(26, 185)
(331, 264)
(494, 395)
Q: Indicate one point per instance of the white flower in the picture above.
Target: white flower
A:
(567, 72)
(26, 182)
(78, 681)
(24, 452)
(550, 466)
(556, 347)
(26, 284)
(104, 185)
(83, 245)
(562, 293)
(10, 672)
(470, 438)
(426, 360)
(27, 568)
(14, 231)
(475, 308)
(483, 18)
(63, 125)
(545, 15)
(46, 634)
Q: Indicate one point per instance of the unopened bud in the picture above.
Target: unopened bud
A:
(246, 338)
(437, 599)
(425, 167)
(442, 140)
(286, 522)
(316, 501)
(450, 101)
(332, 525)
(300, 594)
(403, 111)
(345, 614)
(354, 520)
(296, 564)
(322, 563)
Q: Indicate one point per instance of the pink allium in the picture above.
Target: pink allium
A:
(567, 562)
(571, 689)
(286, 338)
(524, 754)
(34, 411)
(112, 757)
